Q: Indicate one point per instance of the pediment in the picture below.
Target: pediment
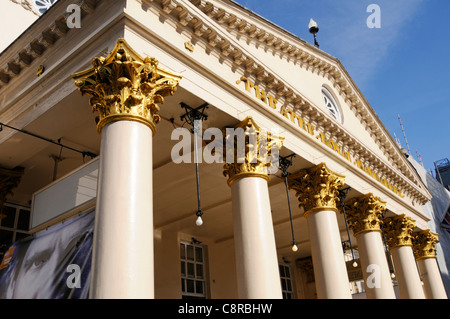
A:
(288, 75)
(282, 71)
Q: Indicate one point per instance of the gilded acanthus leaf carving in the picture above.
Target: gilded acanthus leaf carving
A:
(256, 154)
(424, 244)
(317, 187)
(126, 86)
(365, 213)
(399, 230)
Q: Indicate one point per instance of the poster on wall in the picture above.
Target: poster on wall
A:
(53, 264)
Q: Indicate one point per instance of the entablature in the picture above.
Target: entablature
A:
(210, 23)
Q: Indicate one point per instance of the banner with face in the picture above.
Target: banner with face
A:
(52, 264)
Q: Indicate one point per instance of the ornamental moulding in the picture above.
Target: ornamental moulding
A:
(365, 213)
(227, 49)
(399, 230)
(255, 160)
(24, 57)
(298, 55)
(424, 244)
(317, 188)
(125, 86)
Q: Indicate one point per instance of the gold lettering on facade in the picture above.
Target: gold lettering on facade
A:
(310, 129)
(259, 93)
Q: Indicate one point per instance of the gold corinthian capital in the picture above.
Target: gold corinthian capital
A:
(125, 86)
(424, 243)
(399, 230)
(364, 213)
(249, 151)
(317, 188)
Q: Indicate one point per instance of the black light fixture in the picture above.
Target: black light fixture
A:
(191, 117)
(314, 29)
(285, 163)
(342, 195)
(386, 248)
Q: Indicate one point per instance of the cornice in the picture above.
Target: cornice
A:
(310, 58)
(12, 63)
(201, 19)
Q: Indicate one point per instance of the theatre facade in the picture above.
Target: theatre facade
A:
(98, 141)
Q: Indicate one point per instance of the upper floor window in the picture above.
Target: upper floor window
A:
(331, 105)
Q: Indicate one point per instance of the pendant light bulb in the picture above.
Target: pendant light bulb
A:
(355, 264)
(392, 275)
(199, 221)
(294, 248)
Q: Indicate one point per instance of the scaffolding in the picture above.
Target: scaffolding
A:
(442, 168)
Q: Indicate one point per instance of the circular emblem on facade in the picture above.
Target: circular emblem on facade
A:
(331, 105)
(43, 5)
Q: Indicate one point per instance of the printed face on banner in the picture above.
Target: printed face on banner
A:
(40, 267)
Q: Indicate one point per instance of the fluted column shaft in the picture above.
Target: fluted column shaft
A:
(317, 190)
(124, 90)
(364, 215)
(398, 234)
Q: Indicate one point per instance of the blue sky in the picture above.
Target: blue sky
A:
(402, 68)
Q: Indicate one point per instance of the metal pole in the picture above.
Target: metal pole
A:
(439, 174)
(294, 243)
(342, 195)
(48, 140)
(199, 210)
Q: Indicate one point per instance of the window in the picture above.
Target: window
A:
(14, 224)
(331, 105)
(286, 282)
(193, 283)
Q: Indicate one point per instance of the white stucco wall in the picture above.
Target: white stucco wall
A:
(15, 20)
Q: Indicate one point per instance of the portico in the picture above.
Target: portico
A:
(137, 62)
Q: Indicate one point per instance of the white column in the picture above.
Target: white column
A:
(432, 280)
(122, 265)
(399, 234)
(248, 175)
(256, 256)
(125, 89)
(330, 271)
(374, 265)
(364, 217)
(424, 245)
(317, 189)
(406, 272)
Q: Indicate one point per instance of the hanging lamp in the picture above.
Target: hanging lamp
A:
(285, 163)
(386, 248)
(193, 117)
(342, 195)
